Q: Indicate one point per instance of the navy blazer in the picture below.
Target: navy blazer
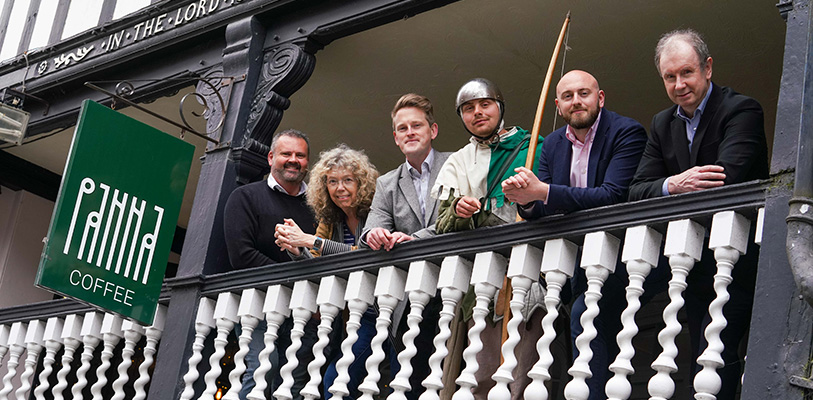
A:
(731, 134)
(617, 147)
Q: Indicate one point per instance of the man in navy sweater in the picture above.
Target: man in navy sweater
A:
(252, 212)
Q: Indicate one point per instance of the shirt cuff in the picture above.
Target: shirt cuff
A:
(665, 187)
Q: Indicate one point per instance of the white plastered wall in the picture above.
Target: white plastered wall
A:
(24, 220)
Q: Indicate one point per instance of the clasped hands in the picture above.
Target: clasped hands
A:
(290, 237)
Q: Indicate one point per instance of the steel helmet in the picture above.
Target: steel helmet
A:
(478, 88)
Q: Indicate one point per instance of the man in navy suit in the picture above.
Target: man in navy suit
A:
(587, 163)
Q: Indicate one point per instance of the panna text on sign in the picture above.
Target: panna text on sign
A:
(116, 228)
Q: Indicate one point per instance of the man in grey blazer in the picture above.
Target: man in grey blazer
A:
(402, 208)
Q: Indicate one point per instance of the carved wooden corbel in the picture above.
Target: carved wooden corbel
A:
(285, 69)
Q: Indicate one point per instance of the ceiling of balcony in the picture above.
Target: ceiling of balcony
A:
(358, 78)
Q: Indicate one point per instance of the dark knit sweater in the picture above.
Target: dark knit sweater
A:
(251, 214)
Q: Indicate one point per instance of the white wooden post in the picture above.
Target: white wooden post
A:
(729, 240)
(133, 332)
(421, 285)
(642, 246)
(599, 256)
(558, 265)
(276, 309)
(91, 337)
(153, 333)
(71, 334)
(16, 345)
(33, 345)
(204, 322)
(111, 335)
(330, 300)
(225, 316)
(684, 246)
(523, 270)
(487, 277)
(303, 305)
(4, 332)
(453, 282)
(389, 289)
(250, 311)
(359, 295)
(53, 341)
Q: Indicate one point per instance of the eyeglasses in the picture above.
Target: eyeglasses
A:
(346, 182)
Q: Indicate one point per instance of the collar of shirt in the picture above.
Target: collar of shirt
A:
(498, 138)
(693, 122)
(591, 133)
(580, 157)
(700, 108)
(426, 166)
(274, 185)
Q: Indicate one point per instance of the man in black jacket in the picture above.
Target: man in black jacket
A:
(712, 136)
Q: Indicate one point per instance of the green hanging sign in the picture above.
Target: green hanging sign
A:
(115, 215)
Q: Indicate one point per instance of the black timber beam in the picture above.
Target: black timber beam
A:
(19, 174)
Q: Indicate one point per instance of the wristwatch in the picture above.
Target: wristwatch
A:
(317, 244)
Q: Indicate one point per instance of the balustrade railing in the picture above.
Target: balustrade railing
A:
(78, 346)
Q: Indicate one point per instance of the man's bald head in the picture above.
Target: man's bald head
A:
(579, 100)
(576, 76)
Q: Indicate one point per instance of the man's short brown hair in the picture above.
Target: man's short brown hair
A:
(415, 100)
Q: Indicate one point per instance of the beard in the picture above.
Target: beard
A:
(284, 175)
(584, 121)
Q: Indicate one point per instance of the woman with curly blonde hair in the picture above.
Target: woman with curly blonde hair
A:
(340, 191)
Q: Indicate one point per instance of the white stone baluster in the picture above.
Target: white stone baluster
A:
(729, 240)
(250, 311)
(330, 300)
(523, 269)
(111, 335)
(683, 247)
(558, 265)
(132, 332)
(276, 309)
(71, 334)
(204, 322)
(599, 256)
(359, 295)
(4, 332)
(53, 342)
(421, 285)
(453, 282)
(225, 316)
(760, 226)
(91, 337)
(389, 290)
(642, 247)
(33, 345)
(486, 276)
(153, 334)
(303, 305)
(16, 346)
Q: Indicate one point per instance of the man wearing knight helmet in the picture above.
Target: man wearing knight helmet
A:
(468, 184)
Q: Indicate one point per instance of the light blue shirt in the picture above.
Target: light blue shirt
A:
(691, 128)
(421, 179)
